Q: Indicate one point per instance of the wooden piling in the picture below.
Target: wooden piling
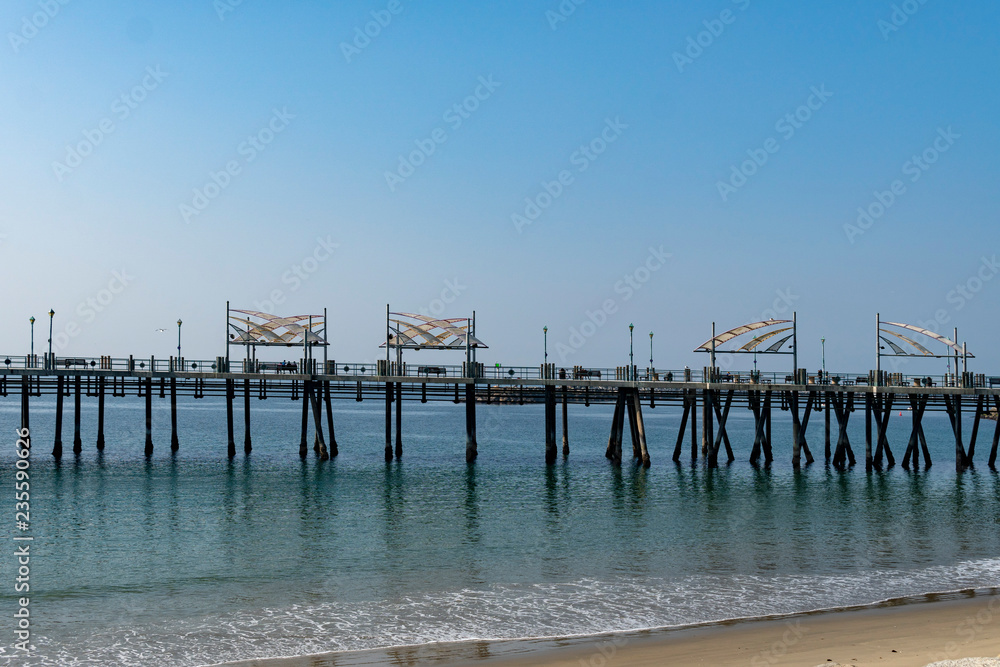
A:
(953, 404)
(388, 421)
(768, 453)
(883, 411)
(230, 429)
(149, 417)
(869, 459)
(399, 420)
(619, 428)
(826, 426)
(753, 400)
(633, 426)
(680, 433)
(313, 400)
(26, 412)
(304, 430)
(175, 443)
(612, 451)
(723, 416)
(77, 441)
(57, 446)
(329, 418)
(247, 445)
(996, 435)
(694, 424)
(793, 404)
(975, 428)
(550, 424)
(565, 422)
(640, 428)
(706, 420)
(100, 413)
(471, 445)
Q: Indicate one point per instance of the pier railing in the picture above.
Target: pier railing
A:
(501, 372)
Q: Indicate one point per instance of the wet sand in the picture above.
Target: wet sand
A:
(910, 632)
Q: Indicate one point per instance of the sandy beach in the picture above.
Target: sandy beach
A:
(912, 632)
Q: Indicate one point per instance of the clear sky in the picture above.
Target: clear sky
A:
(667, 164)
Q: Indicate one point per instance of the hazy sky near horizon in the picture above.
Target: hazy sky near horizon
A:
(576, 165)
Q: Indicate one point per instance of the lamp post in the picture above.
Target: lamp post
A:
(755, 357)
(631, 363)
(650, 350)
(32, 320)
(823, 343)
(179, 323)
(52, 314)
(545, 334)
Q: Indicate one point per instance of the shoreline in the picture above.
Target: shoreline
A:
(899, 632)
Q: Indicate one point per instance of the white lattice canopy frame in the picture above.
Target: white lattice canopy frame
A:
(410, 331)
(252, 327)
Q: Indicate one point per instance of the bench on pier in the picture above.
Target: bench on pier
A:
(994, 382)
(279, 366)
(586, 373)
(75, 361)
(861, 380)
(432, 370)
(789, 379)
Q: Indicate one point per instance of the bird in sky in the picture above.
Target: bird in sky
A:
(161, 329)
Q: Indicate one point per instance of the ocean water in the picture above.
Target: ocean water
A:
(192, 559)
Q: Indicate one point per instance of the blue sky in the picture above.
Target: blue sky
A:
(265, 147)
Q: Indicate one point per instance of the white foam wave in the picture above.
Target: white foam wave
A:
(495, 612)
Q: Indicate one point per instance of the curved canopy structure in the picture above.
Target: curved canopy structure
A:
(751, 346)
(252, 327)
(419, 332)
(921, 350)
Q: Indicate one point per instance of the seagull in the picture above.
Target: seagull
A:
(161, 329)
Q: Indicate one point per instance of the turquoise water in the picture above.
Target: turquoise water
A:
(191, 559)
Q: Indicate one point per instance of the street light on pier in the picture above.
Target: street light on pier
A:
(545, 334)
(32, 320)
(823, 344)
(631, 362)
(179, 323)
(650, 350)
(52, 313)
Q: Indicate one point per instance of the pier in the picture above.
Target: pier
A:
(703, 398)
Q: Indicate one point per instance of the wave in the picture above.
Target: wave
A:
(498, 612)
